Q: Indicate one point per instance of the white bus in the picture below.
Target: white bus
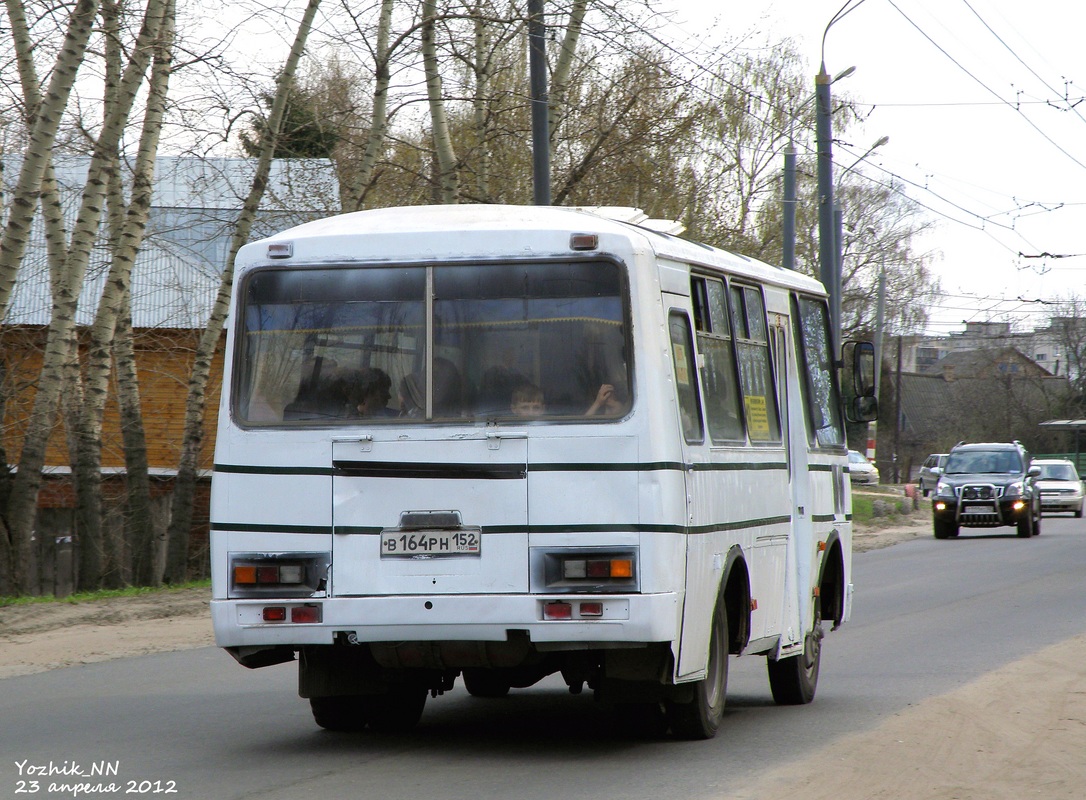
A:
(501, 442)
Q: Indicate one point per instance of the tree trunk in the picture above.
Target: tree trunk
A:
(481, 101)
(562, 67)
(352, 199)
(185, 483)
(447, 177)
(85, 437)
(147, 540)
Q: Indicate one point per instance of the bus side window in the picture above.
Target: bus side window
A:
(723, 409)
(755, 371)
(819, 385)
(686, 381)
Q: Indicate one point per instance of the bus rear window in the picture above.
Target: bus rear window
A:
(442, 343)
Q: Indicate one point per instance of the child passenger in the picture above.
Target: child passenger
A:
(527, 401)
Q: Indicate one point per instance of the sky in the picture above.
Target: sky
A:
(984, 104)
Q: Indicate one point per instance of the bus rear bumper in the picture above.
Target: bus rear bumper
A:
(567, 619)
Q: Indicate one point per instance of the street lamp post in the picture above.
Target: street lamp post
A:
(788, 211)
(827, 248)
(827, 251)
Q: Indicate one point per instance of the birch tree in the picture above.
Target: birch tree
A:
(185, 484)
(129, 225)
(22, 503)
(353, 192)
(447, 179)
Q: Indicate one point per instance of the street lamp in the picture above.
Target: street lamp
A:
(829, 267)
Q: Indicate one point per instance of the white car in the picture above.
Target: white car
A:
(930, 471)
(1060, 485)
(860, 470)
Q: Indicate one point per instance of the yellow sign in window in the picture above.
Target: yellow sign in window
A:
(757, 417)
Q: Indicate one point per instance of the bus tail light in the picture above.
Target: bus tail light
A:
(585, 570)
(278, 574)
(309, 613)
(590, 609)
(557, 610)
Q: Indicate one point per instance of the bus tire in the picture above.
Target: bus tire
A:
(699, 717)
(339, 713)
(793, 680)
(485, 683)
(396, 711)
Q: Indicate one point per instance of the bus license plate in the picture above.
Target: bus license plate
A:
(410, 544)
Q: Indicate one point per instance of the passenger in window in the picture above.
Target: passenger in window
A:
(372, 392)
(328, 397)
(609, 402)
(527, 401)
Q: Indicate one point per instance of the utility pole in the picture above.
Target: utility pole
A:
(897, 413)
(788, 222)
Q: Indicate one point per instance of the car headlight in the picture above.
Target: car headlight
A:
(944, 490)
(1013, 489)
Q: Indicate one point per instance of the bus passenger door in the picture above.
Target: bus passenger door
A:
(701, 582)
(771, 554)
(796, 560)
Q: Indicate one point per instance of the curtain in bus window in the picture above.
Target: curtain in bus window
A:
(686, 383)
(823, 406)
(534, 339)
(722, 402)
(755, 371)
(319, 345)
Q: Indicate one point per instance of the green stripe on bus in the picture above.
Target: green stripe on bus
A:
(259, 527)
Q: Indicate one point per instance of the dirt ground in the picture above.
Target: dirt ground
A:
(980, 742)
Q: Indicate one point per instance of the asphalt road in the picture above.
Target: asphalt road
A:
(928, 617)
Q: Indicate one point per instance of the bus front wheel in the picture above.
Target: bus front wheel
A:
(699, 717)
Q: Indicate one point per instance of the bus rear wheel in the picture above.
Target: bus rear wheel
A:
(699, 717)
(793, 680)
(398, 710)
(340, 713)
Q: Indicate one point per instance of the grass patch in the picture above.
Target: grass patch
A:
(881, 508)
(101, 594)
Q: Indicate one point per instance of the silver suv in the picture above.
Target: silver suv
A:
(930, 472)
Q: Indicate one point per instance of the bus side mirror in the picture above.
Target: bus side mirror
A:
(863, 369)
(864, 405)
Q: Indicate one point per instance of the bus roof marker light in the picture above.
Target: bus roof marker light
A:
(281, 250)
(584, 241)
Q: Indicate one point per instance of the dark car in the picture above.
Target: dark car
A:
(987, 485)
